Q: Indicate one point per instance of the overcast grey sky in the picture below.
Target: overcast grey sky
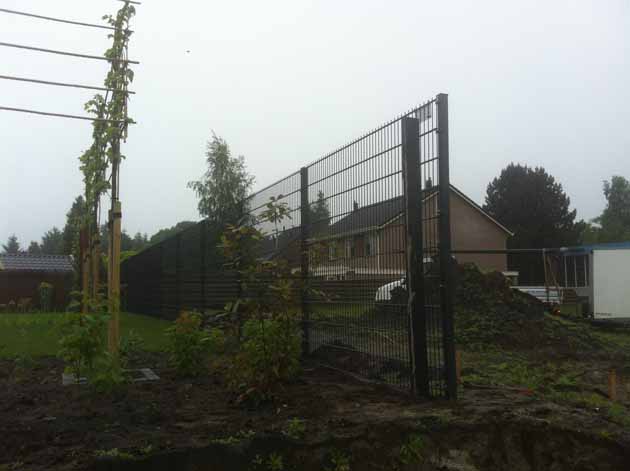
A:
(537, 82)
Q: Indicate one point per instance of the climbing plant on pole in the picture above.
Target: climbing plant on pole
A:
(100, 166)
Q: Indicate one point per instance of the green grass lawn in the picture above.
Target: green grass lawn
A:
(38, 334)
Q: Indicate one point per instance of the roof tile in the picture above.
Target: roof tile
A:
(38, 263)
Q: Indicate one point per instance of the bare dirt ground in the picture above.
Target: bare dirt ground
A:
(44, 425)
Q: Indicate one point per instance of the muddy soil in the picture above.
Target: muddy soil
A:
(46, 426)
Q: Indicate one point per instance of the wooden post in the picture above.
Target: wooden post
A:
(85, 268)
(612, 384)
(114, 264)
(96, 264)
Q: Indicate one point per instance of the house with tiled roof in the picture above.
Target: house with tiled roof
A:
(369, 241)
(22, 273)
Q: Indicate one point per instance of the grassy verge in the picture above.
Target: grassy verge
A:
(38, 334)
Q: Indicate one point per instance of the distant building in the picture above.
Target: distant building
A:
(369, 241)
(21, 275)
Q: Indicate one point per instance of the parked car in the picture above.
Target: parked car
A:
(384, 293)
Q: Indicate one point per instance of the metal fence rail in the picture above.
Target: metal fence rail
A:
(368, 232)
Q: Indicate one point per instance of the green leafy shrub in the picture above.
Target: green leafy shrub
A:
(107, 375)
(75, 301)
(296, 428)
(189, 344)
(82, 341)
(413, 450)
(339, 461)
(269, 356)
(270, 348)
(131, 346)
(45, 295)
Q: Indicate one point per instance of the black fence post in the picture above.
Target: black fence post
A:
(202, 262)
(163, 312)
(304, 258)
(446, 262)
(414, 248)
(178, 296)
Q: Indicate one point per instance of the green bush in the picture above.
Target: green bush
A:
(189, 344)
(131, 346)
(269, 356)
(82, 341)
(107, 375)
(45, 295)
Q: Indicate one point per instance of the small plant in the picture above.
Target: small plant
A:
(147, 449)
(45, 295)
(83, 340)
(273, 462)
(412, 451)
(131, 345)
(113, 453)
(234, 439)
(296, 428)
(270, 355)
(339, 461)
(107, 375)
(189, 344)
(75, 301)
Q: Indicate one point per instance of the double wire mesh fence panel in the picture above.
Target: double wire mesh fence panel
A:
(365, 240)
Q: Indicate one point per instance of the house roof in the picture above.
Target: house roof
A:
(36, 263)
(378, 214)
(366, 217)
(361, 220)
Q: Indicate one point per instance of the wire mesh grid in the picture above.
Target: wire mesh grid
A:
(345, 236)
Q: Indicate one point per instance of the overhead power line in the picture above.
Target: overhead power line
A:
(61, 115)
(58, 20)
(61, 84)
(64, 53)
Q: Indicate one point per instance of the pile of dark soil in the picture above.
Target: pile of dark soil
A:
(490, 313)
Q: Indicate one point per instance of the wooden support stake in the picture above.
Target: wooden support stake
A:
(114, 290)
(84, 249)
(612, 384)
(96, 264)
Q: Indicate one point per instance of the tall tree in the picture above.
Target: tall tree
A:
(52, 242)
(74, 218)
(12, 246)
(532, 204)
(319, 213)
(224, 186)
(615, 219)
(126, 242)
(34, 248)
(140, 241)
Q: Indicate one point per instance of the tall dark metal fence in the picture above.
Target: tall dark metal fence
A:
(368, 232)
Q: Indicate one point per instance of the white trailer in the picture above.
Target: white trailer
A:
(610, 285)
(601, 274)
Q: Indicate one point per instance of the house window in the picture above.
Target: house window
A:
(349, 248)
(332, 250)
(370, 245)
